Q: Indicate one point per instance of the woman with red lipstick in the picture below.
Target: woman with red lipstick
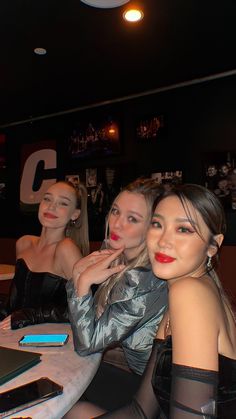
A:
(129, 303)
(192, 369)
(44, 264)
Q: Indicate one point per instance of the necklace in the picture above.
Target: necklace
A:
(167, 327)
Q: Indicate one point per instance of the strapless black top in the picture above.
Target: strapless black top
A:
(36, 297)
(162, 378)
(181, 392)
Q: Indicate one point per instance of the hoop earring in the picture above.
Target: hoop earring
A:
(209, 265)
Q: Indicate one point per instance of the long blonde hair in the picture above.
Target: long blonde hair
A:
(78, 230)
(150, 189)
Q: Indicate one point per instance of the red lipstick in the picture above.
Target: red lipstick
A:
(49, 215)
(162, 258)
(114, 236)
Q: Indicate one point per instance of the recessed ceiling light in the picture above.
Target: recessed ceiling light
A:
(40, 51)
(105, 4)
(133, 15)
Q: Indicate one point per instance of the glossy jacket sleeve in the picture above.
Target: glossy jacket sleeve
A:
(133, 303)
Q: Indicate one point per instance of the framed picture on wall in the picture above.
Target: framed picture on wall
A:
(74, 179)
(91, 177)
(168, 179)
(94, 139)
(220, 176)
(150, 128)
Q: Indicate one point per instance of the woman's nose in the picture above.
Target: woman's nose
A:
(165, 239)
(52, 204)
(118, 222)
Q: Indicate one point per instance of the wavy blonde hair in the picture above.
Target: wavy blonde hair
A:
(150, 189)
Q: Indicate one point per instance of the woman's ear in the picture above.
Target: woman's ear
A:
(219, 239)
(212, 250)
(75, 215)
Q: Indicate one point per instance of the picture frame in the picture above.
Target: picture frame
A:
(91, 177)
(220, 176)
(150, 128)
(74, 179)
(168, 178)
(94, 138)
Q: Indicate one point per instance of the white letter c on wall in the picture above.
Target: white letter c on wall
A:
(27, 195)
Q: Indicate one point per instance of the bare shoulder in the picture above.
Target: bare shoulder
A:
(195, 319)
(66, 255)
(195, 299)
(24, 242)
(190, 287)
(67, 246)
(66, 243)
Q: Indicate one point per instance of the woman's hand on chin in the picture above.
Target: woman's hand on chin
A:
(87, 261)
(98, 271)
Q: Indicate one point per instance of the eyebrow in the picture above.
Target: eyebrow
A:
(130, 211)
(136, 213)
(179, 220)
(60, 196)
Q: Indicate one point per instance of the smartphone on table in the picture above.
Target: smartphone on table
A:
(28, 395)
(44, 340)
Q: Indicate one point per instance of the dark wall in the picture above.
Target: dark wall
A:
(199, 119)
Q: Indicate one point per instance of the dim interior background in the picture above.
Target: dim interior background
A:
(166, 86)
(199, 127)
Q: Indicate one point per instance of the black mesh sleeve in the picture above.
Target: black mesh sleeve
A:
(180, 392)
(193, 393)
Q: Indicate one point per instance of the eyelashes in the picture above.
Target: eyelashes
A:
(180, 229)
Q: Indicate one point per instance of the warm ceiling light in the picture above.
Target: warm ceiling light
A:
(133, 15)
(105, 4)
(40, 51)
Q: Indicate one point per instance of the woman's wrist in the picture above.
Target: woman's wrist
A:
(83, 286)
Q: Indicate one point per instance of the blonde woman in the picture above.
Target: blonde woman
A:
(129, 303)
(44, 263)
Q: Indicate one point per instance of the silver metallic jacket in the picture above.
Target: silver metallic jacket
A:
(135, 308)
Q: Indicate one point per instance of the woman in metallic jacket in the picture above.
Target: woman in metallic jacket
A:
(128, 305)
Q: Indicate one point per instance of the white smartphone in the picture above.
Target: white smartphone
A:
(27, 395)
(44, 340)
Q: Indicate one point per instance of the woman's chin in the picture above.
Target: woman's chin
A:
(115, 244)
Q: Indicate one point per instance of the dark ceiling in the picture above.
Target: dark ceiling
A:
(94, 56)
